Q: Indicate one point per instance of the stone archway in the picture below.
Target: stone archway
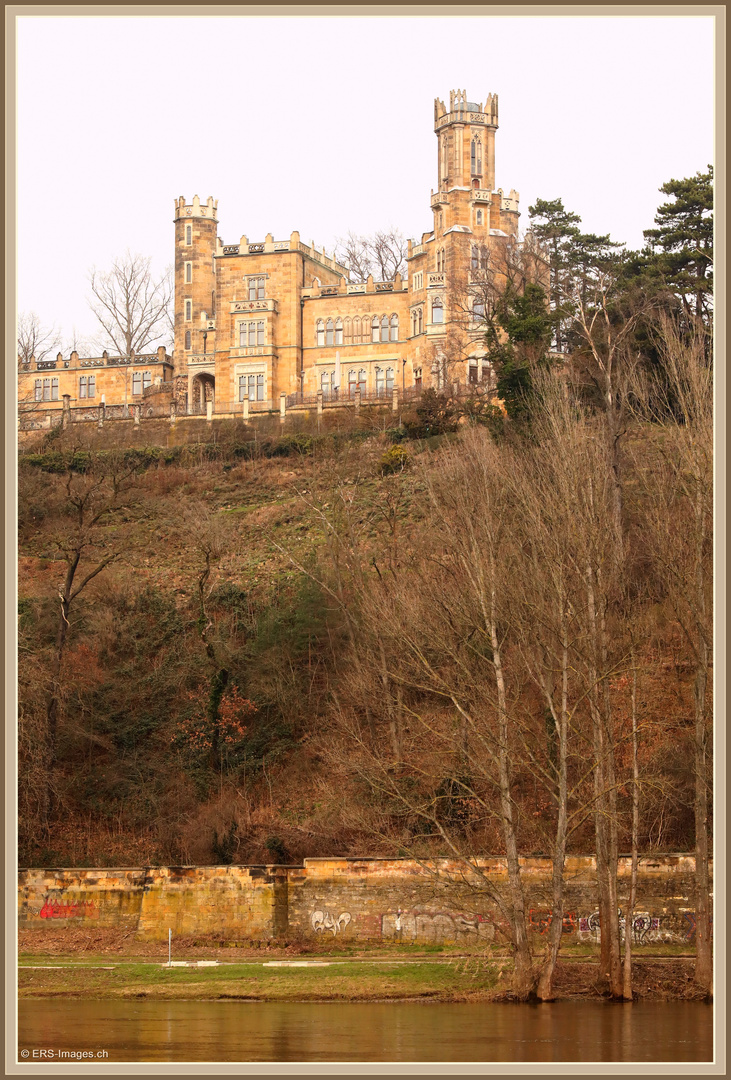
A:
(203, 390)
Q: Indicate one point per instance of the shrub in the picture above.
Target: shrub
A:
(394, 460)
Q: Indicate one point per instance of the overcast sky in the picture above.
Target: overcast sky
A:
(325, 125)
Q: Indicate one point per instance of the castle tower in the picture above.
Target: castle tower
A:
(196, 229)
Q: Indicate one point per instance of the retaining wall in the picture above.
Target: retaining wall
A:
(355, 899)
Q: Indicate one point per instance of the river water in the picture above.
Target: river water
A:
(220, 1031)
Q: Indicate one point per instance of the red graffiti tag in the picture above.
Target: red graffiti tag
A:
(541, 920)
(53, 909)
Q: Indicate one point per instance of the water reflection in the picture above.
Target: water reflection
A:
(273, 1031)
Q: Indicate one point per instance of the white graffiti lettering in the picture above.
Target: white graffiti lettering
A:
(323, 920)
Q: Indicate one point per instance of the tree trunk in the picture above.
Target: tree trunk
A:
(629, 916)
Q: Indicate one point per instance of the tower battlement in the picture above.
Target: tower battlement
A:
(462, 111)
(196, 208)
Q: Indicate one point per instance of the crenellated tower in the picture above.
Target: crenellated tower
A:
(196, 230)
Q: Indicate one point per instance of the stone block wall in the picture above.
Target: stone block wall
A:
(366, 900)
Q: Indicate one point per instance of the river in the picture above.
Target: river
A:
(220, 1031)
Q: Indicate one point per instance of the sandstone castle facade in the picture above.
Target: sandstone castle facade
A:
(276, 324)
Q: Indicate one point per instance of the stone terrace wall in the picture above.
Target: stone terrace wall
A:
(354, 899)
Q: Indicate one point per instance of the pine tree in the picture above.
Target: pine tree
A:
(682, 243)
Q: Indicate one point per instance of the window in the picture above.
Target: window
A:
(356, 330)
(251, 387)
(320, 332)
(260, 333)
(257, 289)
(419, 280)
(362, 380)
(188, 310)
(380, 382)
(421, 320)
(54, 389)
(475, 261)
(473, 372)
(39, 390)
(414, 324)
(136, 382)
(384, 328)
(478, 309)
(352, 383)
(440, 260)
(82, 386)
(417, 376)
(46, 389)
(213, 303)
(375, 328)
(389, 380)
(329, 333)
(479, 217)
(242, 337)
(348, 331)
(437, 310)
(146, 379)
(188, 272)
(476, 156)
(92, 386)
(189, 234)
(394, 328)
(252, 335)
(325, 384)
(187, 339)
(339, 332)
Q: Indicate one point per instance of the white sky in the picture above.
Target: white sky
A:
(325, 125)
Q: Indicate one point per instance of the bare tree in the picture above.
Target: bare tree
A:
(381, 255)
(35, 341)
(131, 306)
(678, 526)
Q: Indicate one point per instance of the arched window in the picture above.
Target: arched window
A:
(437, 310)
(187, 339)
(329, 333)
(479, 217)
(394, 328)
(384, 328)
(189, 234)
(356, 330)
(320, 335)
(339, 332)
(414, 323)
(348, 331)
(146, 379)
(476, 156)
(375, 325)
(188, 310)
(188, 272)
(421, 320)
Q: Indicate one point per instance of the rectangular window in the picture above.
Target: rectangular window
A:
(188, 272)
(146, 379)
(136, 382)
(257, 288)
(46, 389)
(39, 390)
(380, 381)
(375, 330)
(92, 386)
(242, 335)
(242, 388)
(473, 373)
(259, 387)
(54, 389)
(260, 333)
(252, 334)
(82, 386)
(352, 383)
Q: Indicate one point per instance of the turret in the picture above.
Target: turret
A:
(466, 135)
(196, 228)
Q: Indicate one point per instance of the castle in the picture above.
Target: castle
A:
(276, 324)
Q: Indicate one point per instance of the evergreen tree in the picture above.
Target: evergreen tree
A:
(518, 339)
(556, 228)
(681, 247)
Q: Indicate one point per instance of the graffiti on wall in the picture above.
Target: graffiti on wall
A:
(540, 920)
(60, 909)
(323, 921)
(436, 926)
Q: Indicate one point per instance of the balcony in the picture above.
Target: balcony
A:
(253, 305)
(435, 279)
(439, 198)
(481, 195)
